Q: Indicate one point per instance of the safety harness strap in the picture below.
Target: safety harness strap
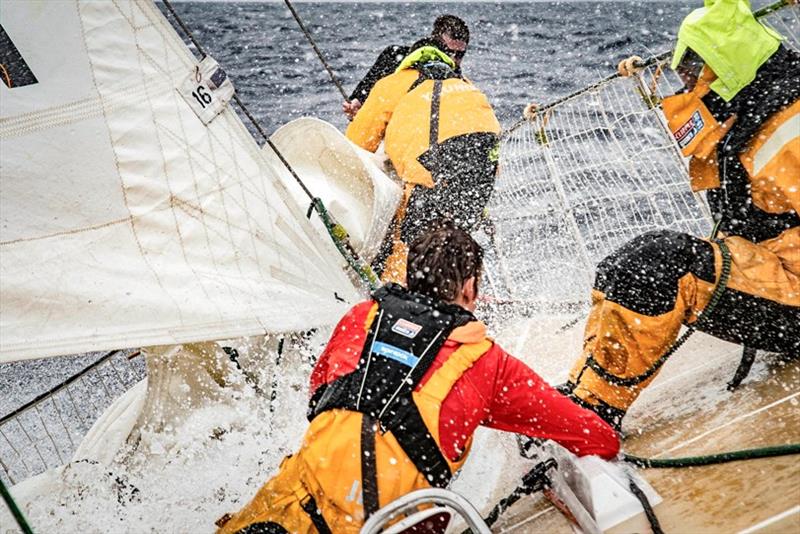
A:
(423, 450)
(722, 284)
(369, 471)
(310, 507)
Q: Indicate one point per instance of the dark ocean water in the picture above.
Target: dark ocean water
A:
(519, 51)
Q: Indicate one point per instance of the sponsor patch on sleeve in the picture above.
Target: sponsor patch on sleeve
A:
(689, 131)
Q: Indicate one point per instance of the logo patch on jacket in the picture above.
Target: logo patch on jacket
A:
(406, 328)
(689, 131)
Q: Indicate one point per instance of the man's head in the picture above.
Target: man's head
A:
(445, 263)
(451, 35)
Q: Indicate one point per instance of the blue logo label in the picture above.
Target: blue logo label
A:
(395, 353)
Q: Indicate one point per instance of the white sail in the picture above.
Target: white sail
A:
(345, 176)
(127, 221)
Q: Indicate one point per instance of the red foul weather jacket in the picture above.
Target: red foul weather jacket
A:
(498, 391)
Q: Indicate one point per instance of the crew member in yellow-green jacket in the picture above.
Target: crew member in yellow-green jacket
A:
(441, 136)
(738, 119)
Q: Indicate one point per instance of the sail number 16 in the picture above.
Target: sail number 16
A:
(206, 89)
(202, 96)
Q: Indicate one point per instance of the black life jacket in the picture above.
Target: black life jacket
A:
(402, 342)
(775, 87)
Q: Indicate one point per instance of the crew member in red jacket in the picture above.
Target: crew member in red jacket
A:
(396, 396)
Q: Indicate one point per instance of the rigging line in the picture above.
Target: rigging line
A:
(32, 442)
(713, 459)
(241, 105)
(63, 425)
(655, 526)
(58, 387)
(369, 359)
(316, 49)
(5, 75)
(13, 448)
(272, 146)
(50, 436)
(239, 102)
(184, 28)
(19, 517)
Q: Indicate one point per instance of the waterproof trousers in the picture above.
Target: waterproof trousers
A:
(282, 505)
(648, 288)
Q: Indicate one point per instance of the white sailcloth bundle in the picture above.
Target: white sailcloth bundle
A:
(125, 220)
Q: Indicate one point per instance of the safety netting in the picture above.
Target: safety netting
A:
(45, 432)
(583, 175)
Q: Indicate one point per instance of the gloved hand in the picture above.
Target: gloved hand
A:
(351, 107)
(628, 67)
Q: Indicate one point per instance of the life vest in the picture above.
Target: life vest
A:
(440, 105)
(375, 413)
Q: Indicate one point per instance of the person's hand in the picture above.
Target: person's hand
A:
(351, 107)
(629, 66)
(530, 111)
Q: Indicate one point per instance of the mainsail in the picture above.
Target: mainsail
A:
(127, 221)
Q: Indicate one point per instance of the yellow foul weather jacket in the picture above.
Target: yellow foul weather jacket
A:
(399, 110)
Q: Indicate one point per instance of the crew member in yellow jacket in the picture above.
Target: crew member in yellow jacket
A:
(441, 136)
(738, 119)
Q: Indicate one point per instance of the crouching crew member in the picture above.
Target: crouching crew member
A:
(441, 136)
(396, 396)
(738, 118)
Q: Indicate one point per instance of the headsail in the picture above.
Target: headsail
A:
(126, 221)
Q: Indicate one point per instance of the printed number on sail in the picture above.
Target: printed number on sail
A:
(207, 89)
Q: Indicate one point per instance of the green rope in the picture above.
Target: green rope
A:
(15, 511)
(712, 459)
(341, 239)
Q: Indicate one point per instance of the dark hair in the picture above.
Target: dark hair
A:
(441, 260)
(452, 26)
